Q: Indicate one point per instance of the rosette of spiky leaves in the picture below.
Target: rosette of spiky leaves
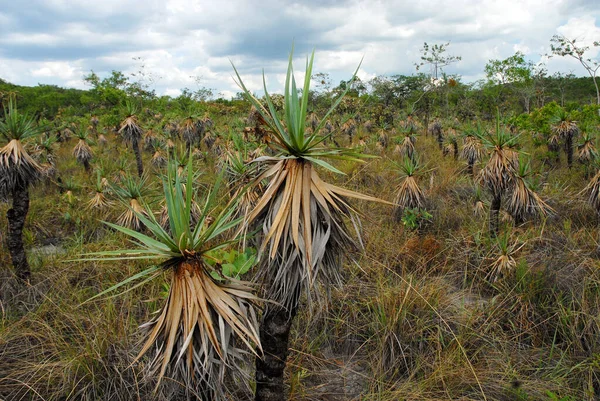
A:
(82, 150)
(18, 168)
(410, 123)
(68, 188)
(503, 163)
(408, 194)
(592, 189)
(159, 158)
(524, 201)
(100, 200)
(174, 168)
(435, 129)
(131, 192)
(121, 170)
(479, 205)
(586, 151)
(132, 133)
(451, 145)
(240, 173)
(472, 150)
(208, 321)
(383, 139)
(44, 153)
(150, 140)
(563, 126)
(504, 261)
(405, 143)
(301, 216)
(130, 128)
(191, 130)
(349, 128)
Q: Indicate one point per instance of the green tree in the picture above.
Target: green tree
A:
(563, 46)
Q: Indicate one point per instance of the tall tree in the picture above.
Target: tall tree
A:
(563, 46)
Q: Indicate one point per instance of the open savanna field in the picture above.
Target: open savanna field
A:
(349, 244)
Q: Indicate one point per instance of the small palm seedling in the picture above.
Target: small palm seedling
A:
(131, 192)
(499, 172)
(82, 150)
(68, 189)
(408, 195)
(566, 129)
(100, 200)
(586, 151)
(207, 323)
(524, 202)
(479, 205)
(472, 150)
(504, 261)
(132, 133)
(301, 218)
(18, 171)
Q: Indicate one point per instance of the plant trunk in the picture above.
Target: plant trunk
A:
(569, 150)
(494, 215)
(274, 337)
(138, 157)
(16, 221)
(470, 169)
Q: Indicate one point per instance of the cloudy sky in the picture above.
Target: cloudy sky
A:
(189, 43)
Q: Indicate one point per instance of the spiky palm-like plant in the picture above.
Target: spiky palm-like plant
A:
(586, 151)
(504, 261)
(408, 194)
(18, 171)
(159, 159)
(45, 154)
(524, 202)
(301, 217)
(405, 146)
(435, 129)
(191, 130)
(566, 129)
(479, 205)
(100, 200)
(131, 192)
(132, 133)
(82, 150)
(499, 172)
(208, 321)
(472, 150)
(592, 189)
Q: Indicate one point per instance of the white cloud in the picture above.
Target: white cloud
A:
(59, 41)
